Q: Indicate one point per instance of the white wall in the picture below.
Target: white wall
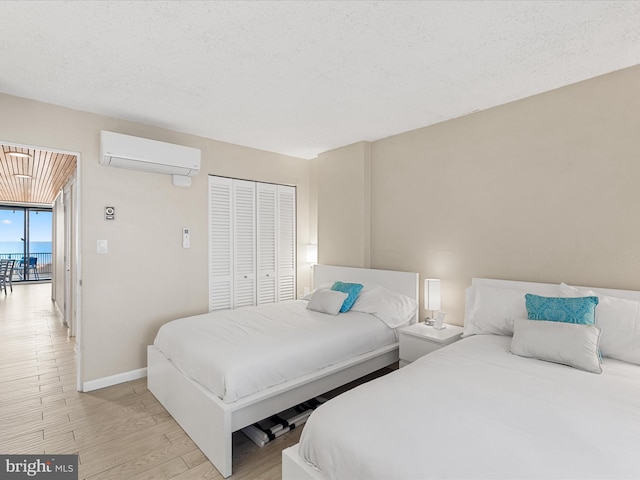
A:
(146, 279)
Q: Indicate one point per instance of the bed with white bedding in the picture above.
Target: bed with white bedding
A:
(219, 372)
(476, 410)
(235, 353)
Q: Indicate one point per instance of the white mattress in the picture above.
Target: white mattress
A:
(473, 410)
(235, 353)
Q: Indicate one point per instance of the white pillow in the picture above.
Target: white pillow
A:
(491, 310)
(393, 308)
(570, 344)
(619, 319)
(322, 286)
(326, 301)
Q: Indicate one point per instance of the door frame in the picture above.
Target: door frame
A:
(76, 277)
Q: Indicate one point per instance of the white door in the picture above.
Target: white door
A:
(244, 246)
(220, 243)
(286, 243)
(252, 243)
(267, 242)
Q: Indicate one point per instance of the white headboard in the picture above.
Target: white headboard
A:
(550, 288)
(406, 283)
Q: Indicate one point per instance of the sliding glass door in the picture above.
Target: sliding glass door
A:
(25, 236)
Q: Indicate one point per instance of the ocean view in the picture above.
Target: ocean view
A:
(39, 266)
(16, 248)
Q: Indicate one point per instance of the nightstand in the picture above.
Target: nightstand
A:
(420, 339)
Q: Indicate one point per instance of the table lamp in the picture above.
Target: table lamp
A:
(431, 297)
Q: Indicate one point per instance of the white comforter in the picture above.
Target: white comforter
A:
(475, 411)
(235, 353)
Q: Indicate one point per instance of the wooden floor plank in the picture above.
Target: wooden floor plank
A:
(194, 458)
(202, 471)
(16, 443)
(124, 454)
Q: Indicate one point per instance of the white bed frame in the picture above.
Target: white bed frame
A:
(293, 465)
(210, 422)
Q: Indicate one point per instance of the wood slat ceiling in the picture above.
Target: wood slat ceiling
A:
(48, 172)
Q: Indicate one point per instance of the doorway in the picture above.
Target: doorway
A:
(26, 238)
(39, 187)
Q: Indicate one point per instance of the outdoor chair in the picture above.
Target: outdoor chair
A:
(29, 269)
(32, 268)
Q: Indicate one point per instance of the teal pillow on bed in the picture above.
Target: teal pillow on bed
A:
(353, 289)
(580, 310)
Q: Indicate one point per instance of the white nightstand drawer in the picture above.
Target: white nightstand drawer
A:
(412, 348)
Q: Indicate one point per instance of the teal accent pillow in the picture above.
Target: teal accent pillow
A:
(580, 310)
(353, 289)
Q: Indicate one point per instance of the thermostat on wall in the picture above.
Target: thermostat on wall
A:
(186, 237)
(109, 213)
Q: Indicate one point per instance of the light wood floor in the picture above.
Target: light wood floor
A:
(120, 432)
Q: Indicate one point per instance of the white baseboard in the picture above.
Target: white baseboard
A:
(114, 380)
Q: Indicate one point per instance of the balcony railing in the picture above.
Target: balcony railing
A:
(36, 267)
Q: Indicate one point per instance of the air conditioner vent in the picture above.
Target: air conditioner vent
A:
(143, 154)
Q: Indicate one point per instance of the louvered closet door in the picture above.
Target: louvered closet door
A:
(286, 243)
(244, 228)
(220, 243)
(267, 247)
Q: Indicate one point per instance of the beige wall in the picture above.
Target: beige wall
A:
(343, 202)
(146, 279)
(542, 189)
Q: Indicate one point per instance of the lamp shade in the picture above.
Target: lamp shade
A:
(432, 294)
(312, 253)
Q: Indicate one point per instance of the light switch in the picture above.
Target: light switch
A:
(103, 246)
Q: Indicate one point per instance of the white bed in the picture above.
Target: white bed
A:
(475, 410)
(210, 420)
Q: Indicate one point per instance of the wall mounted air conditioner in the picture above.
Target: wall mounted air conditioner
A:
(135, 153)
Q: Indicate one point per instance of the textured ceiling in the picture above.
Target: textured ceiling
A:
(301, 78)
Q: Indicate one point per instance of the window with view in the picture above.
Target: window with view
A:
(25, 237)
